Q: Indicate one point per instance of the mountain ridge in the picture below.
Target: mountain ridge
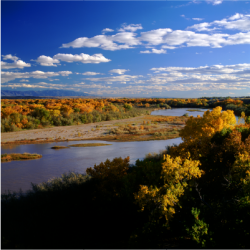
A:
(52, 92)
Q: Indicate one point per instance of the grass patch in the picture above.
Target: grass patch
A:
(58, 147)
(89, 145)
(19, 157)
(193, 110)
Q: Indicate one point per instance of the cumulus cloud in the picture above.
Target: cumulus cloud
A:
(214, 2)
(155, 37)
(238, 22)
(40, 85)
(10, 57)
(131, 27)
(154, 51)
(9, 76)
(118, 71)
(15, 64)
(127, 38)
(236, 16)
(203, 77)
(105, 42)
(89, 73)
(83, 58)
(214, 69)
(46, 61)
(119, 78)
(168, 47)
(107, 30)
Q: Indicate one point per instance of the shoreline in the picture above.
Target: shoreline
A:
(98, 131)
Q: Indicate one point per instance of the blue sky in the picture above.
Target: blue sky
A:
(128, 48)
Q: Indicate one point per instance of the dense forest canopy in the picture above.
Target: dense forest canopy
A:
(38, 113)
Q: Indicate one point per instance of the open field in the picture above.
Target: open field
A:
(137, 128)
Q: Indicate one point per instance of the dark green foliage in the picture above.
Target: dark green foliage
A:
(127, 106)
(162, 105)
(41, 113)
(247, 120)
(219, 137)
(199, 232)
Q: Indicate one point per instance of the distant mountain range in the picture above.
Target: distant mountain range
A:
(52, 92)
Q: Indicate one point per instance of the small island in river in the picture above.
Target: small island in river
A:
(19, 157)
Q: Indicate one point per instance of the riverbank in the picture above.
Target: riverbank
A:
(147, 127)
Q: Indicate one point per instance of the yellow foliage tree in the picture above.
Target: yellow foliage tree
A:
(206, 126)
(198, 131)
(175, 173)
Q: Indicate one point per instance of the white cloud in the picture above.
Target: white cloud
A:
(214, 69)
(197, 19)
(23, 80)
(40, 85)
(46, 61)
(105, 42)
(168, 47)
(119, 78)
(236, 16)
(10, 57)
(83, 58)
(202, 27)
(118, 71)
(204, 78)
(88, 73)
(131, 27)
(237, 21)
(107, 30)
(171, 39)
(215, 77)
(182, 5)
(154, 51)
(214, 2)
(154, 37)
(17, 64)
(9, 76)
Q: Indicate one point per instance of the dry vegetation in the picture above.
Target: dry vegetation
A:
(132, 129)
(89, 145)
(58, 147)
(151, 128)
(18, 157)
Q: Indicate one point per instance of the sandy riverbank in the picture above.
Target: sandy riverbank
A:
(89, 131)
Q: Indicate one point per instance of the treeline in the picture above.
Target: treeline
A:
(38, 113)
(31, 114)
(192, 195)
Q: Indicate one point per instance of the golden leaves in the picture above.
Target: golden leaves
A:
(175, 172)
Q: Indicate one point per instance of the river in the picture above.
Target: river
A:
(19, 174)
